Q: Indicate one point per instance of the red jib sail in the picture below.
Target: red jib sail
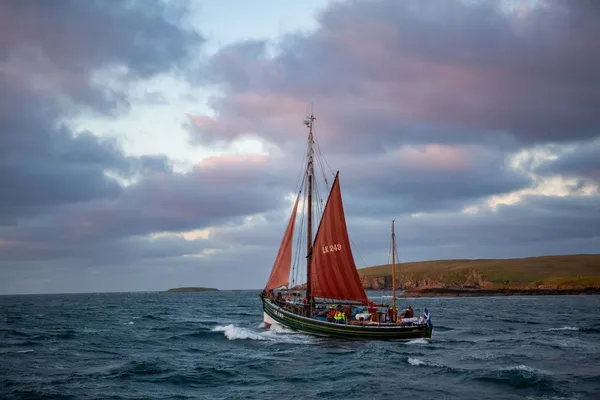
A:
(333, 273)
(281, 268)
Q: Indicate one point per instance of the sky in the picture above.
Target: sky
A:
(150, 144)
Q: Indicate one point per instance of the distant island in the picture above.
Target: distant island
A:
(191, 289)
(565, 274)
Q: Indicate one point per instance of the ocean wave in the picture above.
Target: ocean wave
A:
(202, 349)
(519, 321)
(517, 376)
(136, 368)
(417, 362)
(199, 334)
(28, 343)
(483, 356)
(151, 317)
(590, 330)
(274, 333)
(198, 377)
(23, 393)
(66, 334)
(15, 333)
(439, 328)
(564, 328)
(233, 332)
(417, 341)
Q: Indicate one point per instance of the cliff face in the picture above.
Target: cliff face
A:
(546, 273)
(468, 279)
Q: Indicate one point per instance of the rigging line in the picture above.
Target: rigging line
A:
(299, 242)
(302, 172)
(324, 195)
(320, 160)
(316, 209)
(317, 196)
(299, 185)
(319, 150)
(323, 199)
(294, 271)
(357, 251)
(301, 214)
(320, 205)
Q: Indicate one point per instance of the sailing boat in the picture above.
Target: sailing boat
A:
(335, 303)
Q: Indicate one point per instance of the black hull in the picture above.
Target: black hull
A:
(343, 331)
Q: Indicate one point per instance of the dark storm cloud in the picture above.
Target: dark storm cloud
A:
(43, 163)
(426, 179)
(105, 230)
(57, 201)
(409, 71)
(535, 226)
(66, 40)
(465, 82)
(537, 219)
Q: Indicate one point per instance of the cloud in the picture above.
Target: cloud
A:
(48, 57)
(446, 71)
(63, 197)
(474, 126)
(58, 45)
(427, 178)
(580, 160)
(454, 117)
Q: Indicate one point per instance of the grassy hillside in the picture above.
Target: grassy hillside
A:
(548, 272)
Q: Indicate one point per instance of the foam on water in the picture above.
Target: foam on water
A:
(234, 333)
(523, 368)
(416, 361)
(564, 328)
(276, 333)
(417, 341)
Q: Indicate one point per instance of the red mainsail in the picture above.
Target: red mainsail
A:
(333, 273)
(280, 275)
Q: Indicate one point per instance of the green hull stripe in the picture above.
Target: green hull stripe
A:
(345, 331)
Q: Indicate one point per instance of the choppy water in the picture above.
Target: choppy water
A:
(211, 346)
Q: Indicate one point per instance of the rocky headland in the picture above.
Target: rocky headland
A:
(548, 275)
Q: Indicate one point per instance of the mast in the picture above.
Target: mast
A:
(309, 183)
(393, 273)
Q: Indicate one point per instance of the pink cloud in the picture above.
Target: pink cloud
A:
(435, 157)
(373, 70)
(233, 160)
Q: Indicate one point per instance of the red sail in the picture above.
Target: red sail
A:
(280, 275)
(333, 274)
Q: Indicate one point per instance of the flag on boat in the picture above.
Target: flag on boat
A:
(426, 316)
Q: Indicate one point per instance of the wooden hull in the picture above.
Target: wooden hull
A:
(276, 314)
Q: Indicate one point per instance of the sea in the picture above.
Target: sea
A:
(213, 345)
